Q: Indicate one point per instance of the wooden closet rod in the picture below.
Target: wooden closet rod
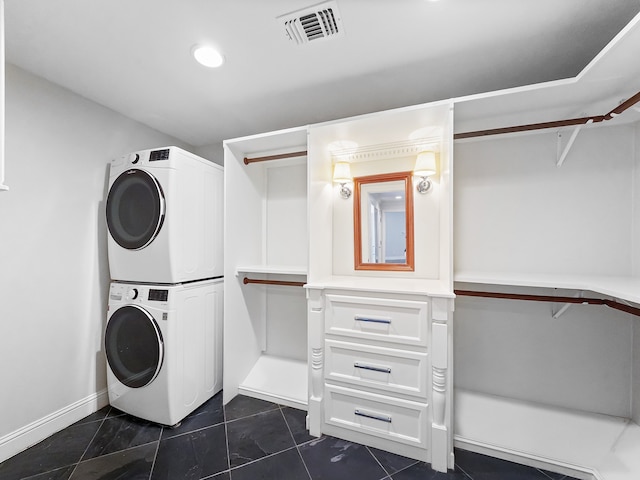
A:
(549, 298)
(247, 161)
(273, 282)
(556, 124)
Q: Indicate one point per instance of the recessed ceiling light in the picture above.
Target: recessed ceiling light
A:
(207, 56)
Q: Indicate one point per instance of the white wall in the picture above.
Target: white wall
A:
(213, 152)
(636, 272)
(53, 265)
(515, 211)
(516, 349)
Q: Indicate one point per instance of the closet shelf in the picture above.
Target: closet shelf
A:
(620, 287)
(563, 440)
(273, 269)
(434, 288)
(279, 380)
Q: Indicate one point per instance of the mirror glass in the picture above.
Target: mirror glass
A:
(383, 222)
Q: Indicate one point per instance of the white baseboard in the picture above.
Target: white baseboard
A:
(526, 459)
(23, 438)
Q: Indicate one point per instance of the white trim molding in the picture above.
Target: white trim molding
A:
(23, 438)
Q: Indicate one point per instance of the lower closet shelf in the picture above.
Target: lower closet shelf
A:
(279, 380)
(568, 441)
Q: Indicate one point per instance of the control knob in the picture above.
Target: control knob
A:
(132, 294)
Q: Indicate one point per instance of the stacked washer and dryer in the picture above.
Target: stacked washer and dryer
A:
(163, 338)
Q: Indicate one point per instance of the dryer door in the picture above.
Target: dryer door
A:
(135, 209)
(134, 346)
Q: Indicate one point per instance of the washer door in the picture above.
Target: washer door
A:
(134, 346)
(135, 209)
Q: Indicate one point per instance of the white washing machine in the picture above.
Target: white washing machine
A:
(164, 348)
(165, 217)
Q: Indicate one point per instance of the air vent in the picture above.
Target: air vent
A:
(317, 22)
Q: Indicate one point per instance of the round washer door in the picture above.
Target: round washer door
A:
(135, 209)
(134, 346)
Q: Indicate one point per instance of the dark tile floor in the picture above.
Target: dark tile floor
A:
(246, 440)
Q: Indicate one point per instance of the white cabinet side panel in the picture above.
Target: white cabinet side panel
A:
(243, 304)
(286, 322)
(286, 215)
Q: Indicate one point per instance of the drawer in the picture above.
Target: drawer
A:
(400, 321)
(389, 369)
(378, 415)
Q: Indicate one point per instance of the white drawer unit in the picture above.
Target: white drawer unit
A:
(372, 369)
(378, 415)
(390, 320)
(389, 369)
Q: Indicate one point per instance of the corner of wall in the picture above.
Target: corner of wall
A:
(213, 152)
(635, 372)
(636, 202)
(635, 369)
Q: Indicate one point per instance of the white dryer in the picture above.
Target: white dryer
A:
(164, 215)
(164, 348)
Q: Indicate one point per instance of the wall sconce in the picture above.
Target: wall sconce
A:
(425, 167)
(342, 175)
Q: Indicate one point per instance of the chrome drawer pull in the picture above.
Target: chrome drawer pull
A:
(371, 367)
(382, 418)
(358, 318)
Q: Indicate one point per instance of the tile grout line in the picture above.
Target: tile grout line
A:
(258, 460)
(191, 431)
(226, 438)
(155, 456)
(252, 415)
(543, 473)
(117, 451)
(403, 468)
(378, 461)
(463, 470)
(90, 442)
(295, 443)
(74, 464)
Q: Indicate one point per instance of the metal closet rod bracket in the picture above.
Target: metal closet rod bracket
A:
(562, 156)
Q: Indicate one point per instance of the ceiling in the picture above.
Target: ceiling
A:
(134, 56)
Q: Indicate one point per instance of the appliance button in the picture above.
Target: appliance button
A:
(132, 294)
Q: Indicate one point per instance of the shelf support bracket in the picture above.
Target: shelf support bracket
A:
(561, 156)
(560, 311)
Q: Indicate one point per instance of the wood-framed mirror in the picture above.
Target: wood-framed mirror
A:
(383, 222)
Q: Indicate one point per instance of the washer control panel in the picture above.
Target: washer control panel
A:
(121, 292)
